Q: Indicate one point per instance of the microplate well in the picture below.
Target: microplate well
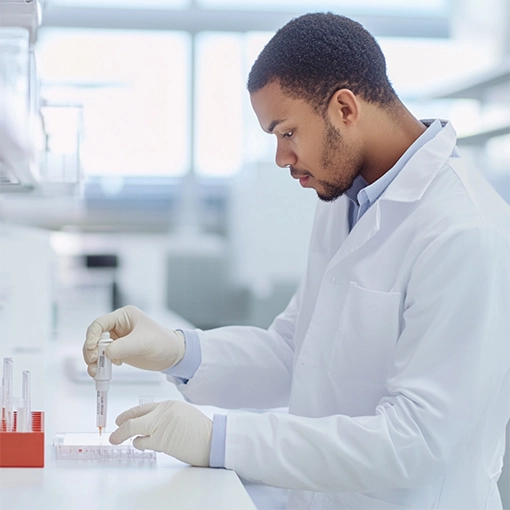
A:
(92, 446)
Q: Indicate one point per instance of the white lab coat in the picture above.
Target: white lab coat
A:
(393, 357)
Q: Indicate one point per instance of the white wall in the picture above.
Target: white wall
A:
(26, 289)
(271, 219)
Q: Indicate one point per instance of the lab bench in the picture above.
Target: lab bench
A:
(69, 406)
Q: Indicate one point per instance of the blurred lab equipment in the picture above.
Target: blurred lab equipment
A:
(39, 141)
(19, 22)
(17, 155)
(59, 157)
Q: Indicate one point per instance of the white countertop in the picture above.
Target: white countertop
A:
(69, 406)
(66, 485)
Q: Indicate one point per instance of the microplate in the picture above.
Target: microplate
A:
(92, 446)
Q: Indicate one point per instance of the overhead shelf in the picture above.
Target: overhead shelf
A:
(21, 13)
(474, 87)
(483, 137)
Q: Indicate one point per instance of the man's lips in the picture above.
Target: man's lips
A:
(303, 178)
(298, 175)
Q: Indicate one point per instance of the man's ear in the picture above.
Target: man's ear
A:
(344, 107)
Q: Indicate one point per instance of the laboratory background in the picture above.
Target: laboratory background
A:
(133, 171)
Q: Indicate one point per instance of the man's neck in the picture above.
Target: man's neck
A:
(391, 134)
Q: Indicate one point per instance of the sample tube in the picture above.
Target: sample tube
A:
(2, 401)
(145, 399)
(7, 415)
(24, 409)
(102, 378)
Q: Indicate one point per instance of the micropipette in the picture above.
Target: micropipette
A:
(102, 378)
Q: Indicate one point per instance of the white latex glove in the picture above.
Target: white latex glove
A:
(138, 341)
(172, 427)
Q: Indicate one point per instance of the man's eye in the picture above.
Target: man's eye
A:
(288, 134)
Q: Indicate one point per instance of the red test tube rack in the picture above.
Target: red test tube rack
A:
(23, 449)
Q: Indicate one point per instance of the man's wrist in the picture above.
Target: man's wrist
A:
(185, 369)
(182, 346)
(218, 441)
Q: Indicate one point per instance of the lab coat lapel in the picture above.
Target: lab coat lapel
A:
(362, 232)
(408, 186)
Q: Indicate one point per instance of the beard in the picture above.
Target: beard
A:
(339, 161)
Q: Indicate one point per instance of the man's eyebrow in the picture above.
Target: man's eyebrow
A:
(273, 125)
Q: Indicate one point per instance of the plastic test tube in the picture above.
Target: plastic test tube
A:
(7, 394)
(25, 410)
(145, 399)
(102, 378)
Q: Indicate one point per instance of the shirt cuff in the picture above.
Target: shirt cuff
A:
(186, 368)
(218, 441)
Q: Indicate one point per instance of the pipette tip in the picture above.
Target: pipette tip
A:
(100, 431)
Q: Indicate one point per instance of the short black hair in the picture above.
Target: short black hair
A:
(316, 54)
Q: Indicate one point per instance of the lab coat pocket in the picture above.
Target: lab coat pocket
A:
(366, 336)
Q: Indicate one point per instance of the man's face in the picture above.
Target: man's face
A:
(310, 145)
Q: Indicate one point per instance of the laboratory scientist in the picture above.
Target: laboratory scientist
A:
(393, 357)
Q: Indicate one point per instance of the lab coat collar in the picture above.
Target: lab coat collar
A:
(408, 186)
(420, 170)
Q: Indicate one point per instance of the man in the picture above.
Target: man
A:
(393, 356)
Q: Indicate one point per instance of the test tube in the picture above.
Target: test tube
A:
(7, 414)
(24, 410)
(2, 402)
(145, 399)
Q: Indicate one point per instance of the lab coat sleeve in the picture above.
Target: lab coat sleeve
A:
(450, 379)
(246, 367)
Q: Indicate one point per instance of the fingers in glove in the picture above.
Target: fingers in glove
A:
(92, 370)
(128, 346)
(143, 443)
(135, 412)
(133, 422)
(90, 346)
(94, 331)
(134, 427)
(118, 323)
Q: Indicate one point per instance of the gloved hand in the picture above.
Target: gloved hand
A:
(173, 427)
(138, 341)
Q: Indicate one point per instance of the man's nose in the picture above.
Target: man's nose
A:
(285, 157)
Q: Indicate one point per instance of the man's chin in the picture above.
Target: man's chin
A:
(328, 197)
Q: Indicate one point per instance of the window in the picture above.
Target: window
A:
(147, 112)
(218, 106)
(136, 95)
(134, 87)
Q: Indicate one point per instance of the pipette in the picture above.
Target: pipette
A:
(102, 378)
